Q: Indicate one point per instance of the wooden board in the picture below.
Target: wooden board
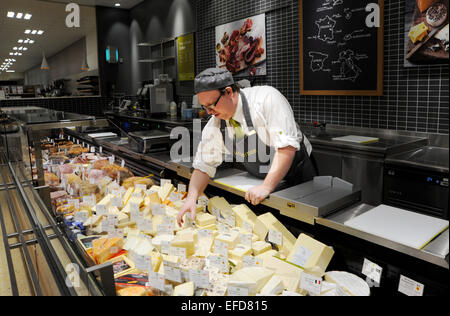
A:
(404, 227)
(425, 53)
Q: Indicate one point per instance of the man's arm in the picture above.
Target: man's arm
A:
(281, 164)
(197, 185)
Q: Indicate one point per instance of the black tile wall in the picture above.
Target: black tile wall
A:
(415, 99)
(85, 105)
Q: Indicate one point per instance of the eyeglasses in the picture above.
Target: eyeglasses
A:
(212, 106)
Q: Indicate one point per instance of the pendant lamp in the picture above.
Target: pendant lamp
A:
(44, 65)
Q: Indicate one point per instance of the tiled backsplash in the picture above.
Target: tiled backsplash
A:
(415, 99)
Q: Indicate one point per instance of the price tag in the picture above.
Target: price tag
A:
(100, 149)
(116, 233)
(216, 213)
(165, 247)
(200, 278)
(178, 252)
(78, 141)
(83, 145)
(221, 248)
(237, 291)
(158, 209)
(116, 201)
(219, 262)
(301, 257)
(75, 203)
(275, 237)
(205, 233)
(140, 187)
(114, 219)
(163, 182)
(68, 138)
(169, 221)
(101, 209)
(410, 287)
(223, 229)
(93, 149)
(172, 274)
(247, 226)
(112, 159)
(108, 226)
(136, 195)
(143, 263)
(250, 261)
(165, 229)
(174, 197)
(181, 187)
(122, 164)
(246, 239)
(89, 200)
(157, 281)
(81, 216)
(372, 271)
(230, 220)
(145, 224)
(311, 283)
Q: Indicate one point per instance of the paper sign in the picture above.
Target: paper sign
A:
(410, 287)
(250, 261)
(246, 239)
(100, 149)
(157, 281)
(172, 274)
(165, 247)
(301, 257)
(116, 233)
(178, 252)
(112, 159)
(75, 203)
(247, 226)
(89, 200)
(275, 237)
(143, 263)
(141, 187)
(116, 201)
(223, 229)
(219, 262)
(144, 224)
(165, 229)
(221, 248)
(81, 216)
(237, 291)
(311, 283)
(101, 209)
(200, 278)
(93, 149)
(181, 187)
(164, 182)
(205, 233)
(372, 271)
(122, 164)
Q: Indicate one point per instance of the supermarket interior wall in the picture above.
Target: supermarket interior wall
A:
(415, 99)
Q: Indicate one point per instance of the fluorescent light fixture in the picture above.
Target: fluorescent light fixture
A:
(11, 54)
(10, 71)
(40, 32)
(20, 41)
(117, 5)
(20, 54)
(14, 48)
(25, 48)
(19, 15)
(21, 47)
(33, 32)
(15, 54)
(27, 16)
(10, 14)
(27, 31)
(31, 42)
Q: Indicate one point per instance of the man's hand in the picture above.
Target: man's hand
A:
(189, 206)
(257, 194)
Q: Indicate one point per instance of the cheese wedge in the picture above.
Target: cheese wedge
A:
(273, 287)
(94, 220)
(220, 204)
(350, 283)
(185, 289)
(245, 217)
(260, 247)
(185, 241)
(272, 223)
(252, 278)
(157, 240)
(152, 198)
(308, 253)
(165, 191)
(231, 239)
(239, 252)
(134, 200)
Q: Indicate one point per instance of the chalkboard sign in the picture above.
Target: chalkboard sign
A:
(339, 53)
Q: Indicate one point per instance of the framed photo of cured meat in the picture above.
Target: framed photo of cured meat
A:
(241, 46)
(341, 47)
(426, 32)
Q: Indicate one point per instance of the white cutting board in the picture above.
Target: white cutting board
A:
(404, 227)
(101, 135)
(357, 139)
(241, 181)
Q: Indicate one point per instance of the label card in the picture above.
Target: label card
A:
(250, 261)
(410, 287)
(112, 159)
(100, 149)
(89, 200)
(246, 239)
(221, 248)
(143, 263)
(311, 283)
(141, 187)
(172, 274)
(81, 216)
(200, 278)
(237, 291)
(164, 182)
(101, 209)
(165, 247)
(116, 201)
(144, 224)
(93, 149)
(165, 229)
(157, 281)
(372, 271)
(181, 187)
(75, 203)
(116, 233)
(178, 252)
(275, 237)
(158, 209)
(205, 233)
(247, 226)
(301, 257)
(219, 262)
(122, 164)
(223, 229)
(216, 212)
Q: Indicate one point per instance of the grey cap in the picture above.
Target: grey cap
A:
(212, 79)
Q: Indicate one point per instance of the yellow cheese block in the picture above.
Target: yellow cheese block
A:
(105, 201)
(185, 289)
(272, 223)
(231, 239)
(152, 198)
(165, 191)
(135, 200)
(173, 261)
(205, 219)
(260, 247)
(270, 253)
(308, 252)
(220, 204)
(105, 248)
(209, 227)
(126, 197)
(418, 32)
(133, 291)
(245, 215)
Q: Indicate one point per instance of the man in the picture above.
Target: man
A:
(259, 120)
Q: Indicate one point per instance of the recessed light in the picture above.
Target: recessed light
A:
(10, 54)
(20, 54)
(19, 15)
(10, 71)
(27, 16)
(14, 48)
(40, 32)
(27, 31)
(31, 41)
(20, 41)
(25, 48)
(10, 14)
(20, 48)
(117, 5)
(33, 32)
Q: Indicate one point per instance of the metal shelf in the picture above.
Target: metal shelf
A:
(156, 43)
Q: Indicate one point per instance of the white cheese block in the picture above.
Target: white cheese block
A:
(185, 289)
(185, 241)
(144, 248)
(252, 278)
(308, 252)
(157, 240)
(350, 283)
(245, 217)
(231, 239)
(273, 287)
(260, 247)
(239, 252)
(271, 223)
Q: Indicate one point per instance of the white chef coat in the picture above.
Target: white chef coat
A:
(273, 120)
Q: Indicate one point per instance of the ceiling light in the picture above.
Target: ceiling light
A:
(40, 32)
(27, 16)
(11, 54)
(15, 54)
(27, 31)
(117, 4)
(31, 41)
(10, 14)
(20, 54)
(34, 32)
(25, 48)
(19, 15)
(10, 71)
(14, 48)
(20, 41)
(21, 47)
